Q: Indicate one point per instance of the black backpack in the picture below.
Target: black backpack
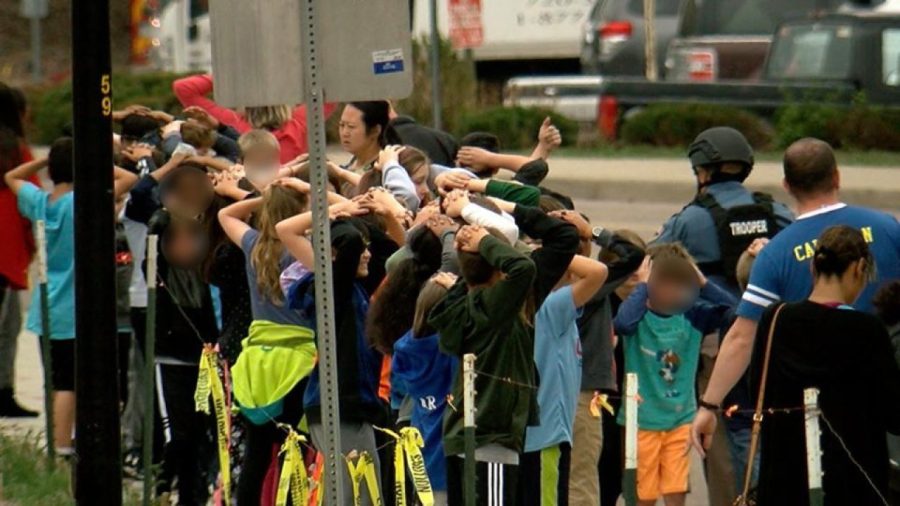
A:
(737, 227)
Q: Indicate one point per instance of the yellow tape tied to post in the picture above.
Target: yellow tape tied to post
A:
(210, 385)
(409, 449)
(601, 401)
(293, 477)
(363, 469)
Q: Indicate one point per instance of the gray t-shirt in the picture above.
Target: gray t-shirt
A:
(262, 306)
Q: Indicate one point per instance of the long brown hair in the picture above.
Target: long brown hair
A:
(279, 203)
(431, 294)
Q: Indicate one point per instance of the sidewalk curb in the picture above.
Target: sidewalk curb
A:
(682, 193)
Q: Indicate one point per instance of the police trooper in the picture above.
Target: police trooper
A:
(724, 217)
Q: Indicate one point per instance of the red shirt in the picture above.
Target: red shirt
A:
(193, 91)
(15, 235)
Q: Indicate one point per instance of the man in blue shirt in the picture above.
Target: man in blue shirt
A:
(725, 217)
(782, 271)
(56, 210)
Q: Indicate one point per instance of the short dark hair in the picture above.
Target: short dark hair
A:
(809, 166)
(10, 109)
(60, 161)
(483, 140)
(136, 126)
(474, 268)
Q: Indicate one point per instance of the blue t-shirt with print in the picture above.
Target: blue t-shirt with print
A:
(59, 226)
(557, 354)
(782, 271)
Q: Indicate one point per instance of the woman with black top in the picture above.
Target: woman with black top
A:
(824, 343)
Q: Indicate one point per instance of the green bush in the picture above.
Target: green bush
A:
(517, 127)
(679, 124)
(51, 107)
(859, 126)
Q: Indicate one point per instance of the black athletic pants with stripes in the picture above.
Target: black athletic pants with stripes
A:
(495, 484)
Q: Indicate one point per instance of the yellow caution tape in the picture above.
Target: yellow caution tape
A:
(409, 449)
(601, 401)
(364, 469)
(209, 384)
(293, 477)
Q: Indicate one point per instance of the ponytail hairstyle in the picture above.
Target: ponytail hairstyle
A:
(393, 308)
(432, 293)
(838, 248)
(279, 203)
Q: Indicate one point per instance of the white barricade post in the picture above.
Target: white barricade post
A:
(813, 447)
(629, 476)
(469, 425)
(149, 368)
(41, 239)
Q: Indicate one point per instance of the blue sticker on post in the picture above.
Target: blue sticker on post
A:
(387, 61)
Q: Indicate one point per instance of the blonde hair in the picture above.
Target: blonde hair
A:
(672, 261)
(279, 203)
(743, 268)
(257, 138)
(432, 293)
(268, 117)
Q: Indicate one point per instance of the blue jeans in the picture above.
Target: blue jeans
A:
(739, 447)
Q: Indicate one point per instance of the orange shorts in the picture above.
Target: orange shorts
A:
(663, 462)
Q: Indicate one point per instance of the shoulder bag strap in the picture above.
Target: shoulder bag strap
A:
(758, 412)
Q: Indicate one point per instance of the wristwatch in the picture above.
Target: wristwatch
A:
(596, 234)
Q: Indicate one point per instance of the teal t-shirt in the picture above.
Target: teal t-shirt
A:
(59, 226)
(664, 352)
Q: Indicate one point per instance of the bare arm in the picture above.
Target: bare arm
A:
(732, 361)
(292, 233)
(590, 276)
(123, 181)
(18, 177)
(233, 218)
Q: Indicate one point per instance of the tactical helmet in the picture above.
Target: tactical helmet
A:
(718, 145)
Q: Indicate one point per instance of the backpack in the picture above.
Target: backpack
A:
(737, 227)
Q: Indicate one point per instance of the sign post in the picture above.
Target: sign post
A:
(34, 10)
(434, 58)
(651, 69)
(318, 61)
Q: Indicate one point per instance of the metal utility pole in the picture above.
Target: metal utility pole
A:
(98, 464)
(435, 62)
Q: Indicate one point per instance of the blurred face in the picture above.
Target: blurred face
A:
(190, 197)
(261, 165)
(668, 296)
(183, 246)
(420, 180)
(352, 128)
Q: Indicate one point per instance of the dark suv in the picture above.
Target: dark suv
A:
(729, 39)
(613, 37)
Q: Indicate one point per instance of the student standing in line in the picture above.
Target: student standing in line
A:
(56, 210)
(661, 324)
(18, 246)
(483, 314)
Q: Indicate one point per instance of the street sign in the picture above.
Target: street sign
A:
(33, 9)
(466, 28)
(258, 50)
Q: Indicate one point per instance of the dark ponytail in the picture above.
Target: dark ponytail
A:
(837, 248)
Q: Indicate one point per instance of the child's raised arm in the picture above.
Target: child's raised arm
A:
(589, 277)
(18, 177)
(233, 218)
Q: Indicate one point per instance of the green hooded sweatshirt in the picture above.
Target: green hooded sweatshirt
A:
(489, 323)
